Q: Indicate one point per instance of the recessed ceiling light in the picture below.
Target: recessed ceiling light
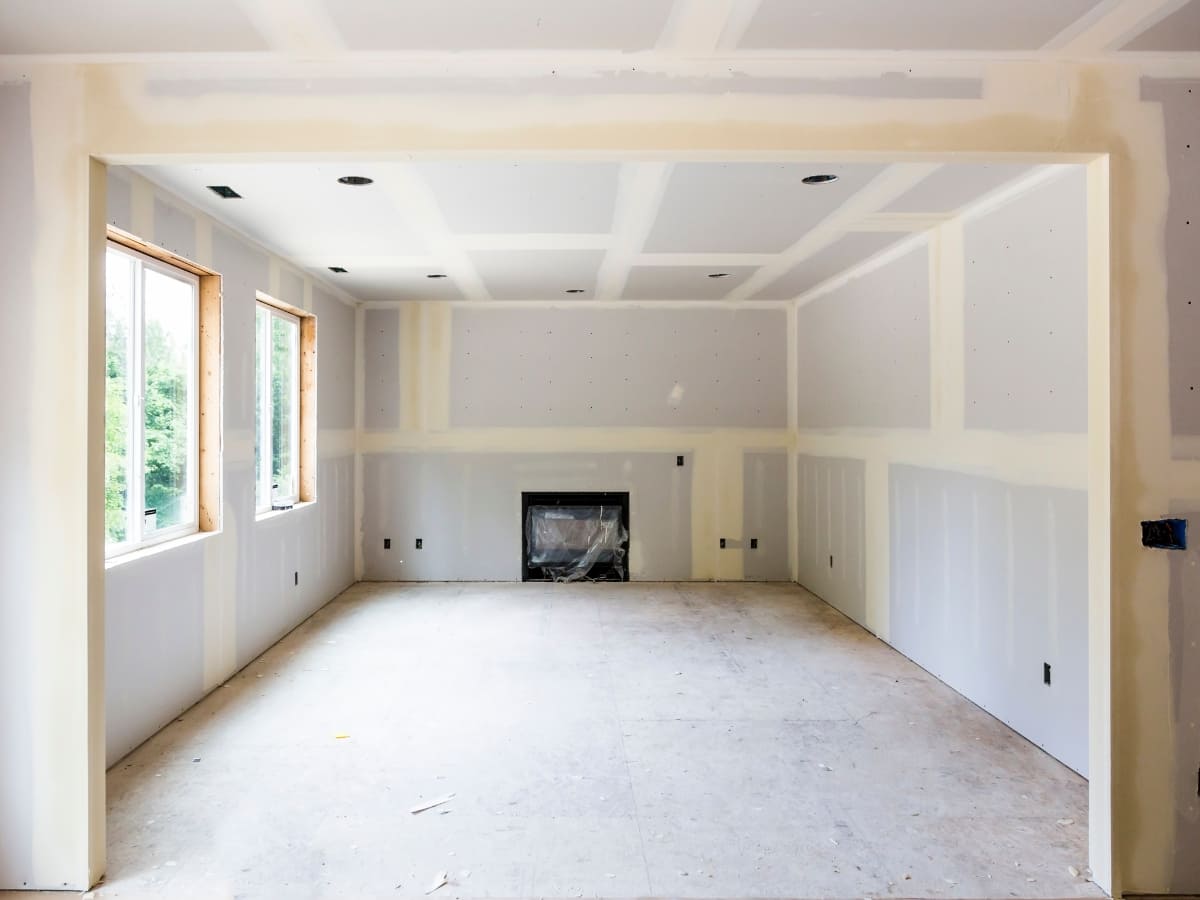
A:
(820, 179)
(435, 275)
(719, 275)
(225, 192)
(355, 180)
(338, 269)
(574, 290)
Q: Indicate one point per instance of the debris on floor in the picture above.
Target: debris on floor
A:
(341, 737)
(441, 880)
(1074, 871)
(431, 804)
(1066, 822)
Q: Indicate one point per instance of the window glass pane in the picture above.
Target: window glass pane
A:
(118, 329)
(285, 358)
(169, 355)
(262, 482)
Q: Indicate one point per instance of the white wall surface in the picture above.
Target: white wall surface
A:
(941, 489)
(181, 619)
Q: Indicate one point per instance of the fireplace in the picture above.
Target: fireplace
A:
(575, 536)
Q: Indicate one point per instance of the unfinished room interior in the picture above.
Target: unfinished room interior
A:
(629, 449)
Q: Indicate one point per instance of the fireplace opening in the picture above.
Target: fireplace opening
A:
(575, 536)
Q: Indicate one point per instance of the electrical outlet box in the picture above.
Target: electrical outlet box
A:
(1045, 673)
(1165, 534)
(753, 543)
(420, 543)
(296, 579)
(722, 543)
(387, 543)
(679, 460)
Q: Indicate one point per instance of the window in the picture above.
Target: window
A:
(277, 406)
(151, 402)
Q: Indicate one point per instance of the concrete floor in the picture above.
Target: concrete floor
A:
(673, 740)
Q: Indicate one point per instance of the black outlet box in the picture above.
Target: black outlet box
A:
(387, 543)
(753, 543)
(1165, 534)
(420, 543)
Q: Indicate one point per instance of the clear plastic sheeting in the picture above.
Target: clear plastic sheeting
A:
(569, 542)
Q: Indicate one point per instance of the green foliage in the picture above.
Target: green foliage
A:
(116, 434)
(166, 421)
(166, 417)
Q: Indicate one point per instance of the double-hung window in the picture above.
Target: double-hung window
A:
(277, 404)
(151, 401)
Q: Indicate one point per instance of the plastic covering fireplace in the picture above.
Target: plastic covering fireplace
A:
(574, 536)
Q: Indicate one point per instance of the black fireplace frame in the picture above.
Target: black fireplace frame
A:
(600, 571)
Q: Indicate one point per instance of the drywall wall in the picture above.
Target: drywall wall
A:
(466, 510)
(17, 491)
(181, 619)
(467, 405)
(831, 533)
(765, 516)
(967, 354)
(988, 585)
(1026, 298)
(657, 368)
(863, 349)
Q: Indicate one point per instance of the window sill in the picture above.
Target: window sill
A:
(276, 513)
(154, 549)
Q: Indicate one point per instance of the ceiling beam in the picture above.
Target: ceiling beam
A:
(1110, 25)
(640, 188)
(411, 193)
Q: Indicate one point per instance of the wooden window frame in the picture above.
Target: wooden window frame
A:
(307, 477)
(209, 386)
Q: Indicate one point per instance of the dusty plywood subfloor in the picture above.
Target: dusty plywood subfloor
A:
(628, 740)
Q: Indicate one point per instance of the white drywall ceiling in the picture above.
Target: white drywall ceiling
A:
(601, 229)
(655, 30)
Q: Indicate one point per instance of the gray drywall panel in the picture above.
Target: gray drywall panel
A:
(831, 542)
(1178, 32)
(1026, 310)
(538, 197)
(684, 282)
(846, 252)
(335, 361)
(154, 642)
(244, 272)
(1184, 630)
(119, 200)
(988, 582)
(863, 349)
(291, 288)
(466, 509)
(174, 229)
(465, 25)
(911, 25)
(381, 368)
(765, 515)
(954, 185)
(1180, 103)
(17, 489)
(748, 207)
(670, 367)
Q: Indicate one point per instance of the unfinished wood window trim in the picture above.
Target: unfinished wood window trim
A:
(209, 373)
(307, 477)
